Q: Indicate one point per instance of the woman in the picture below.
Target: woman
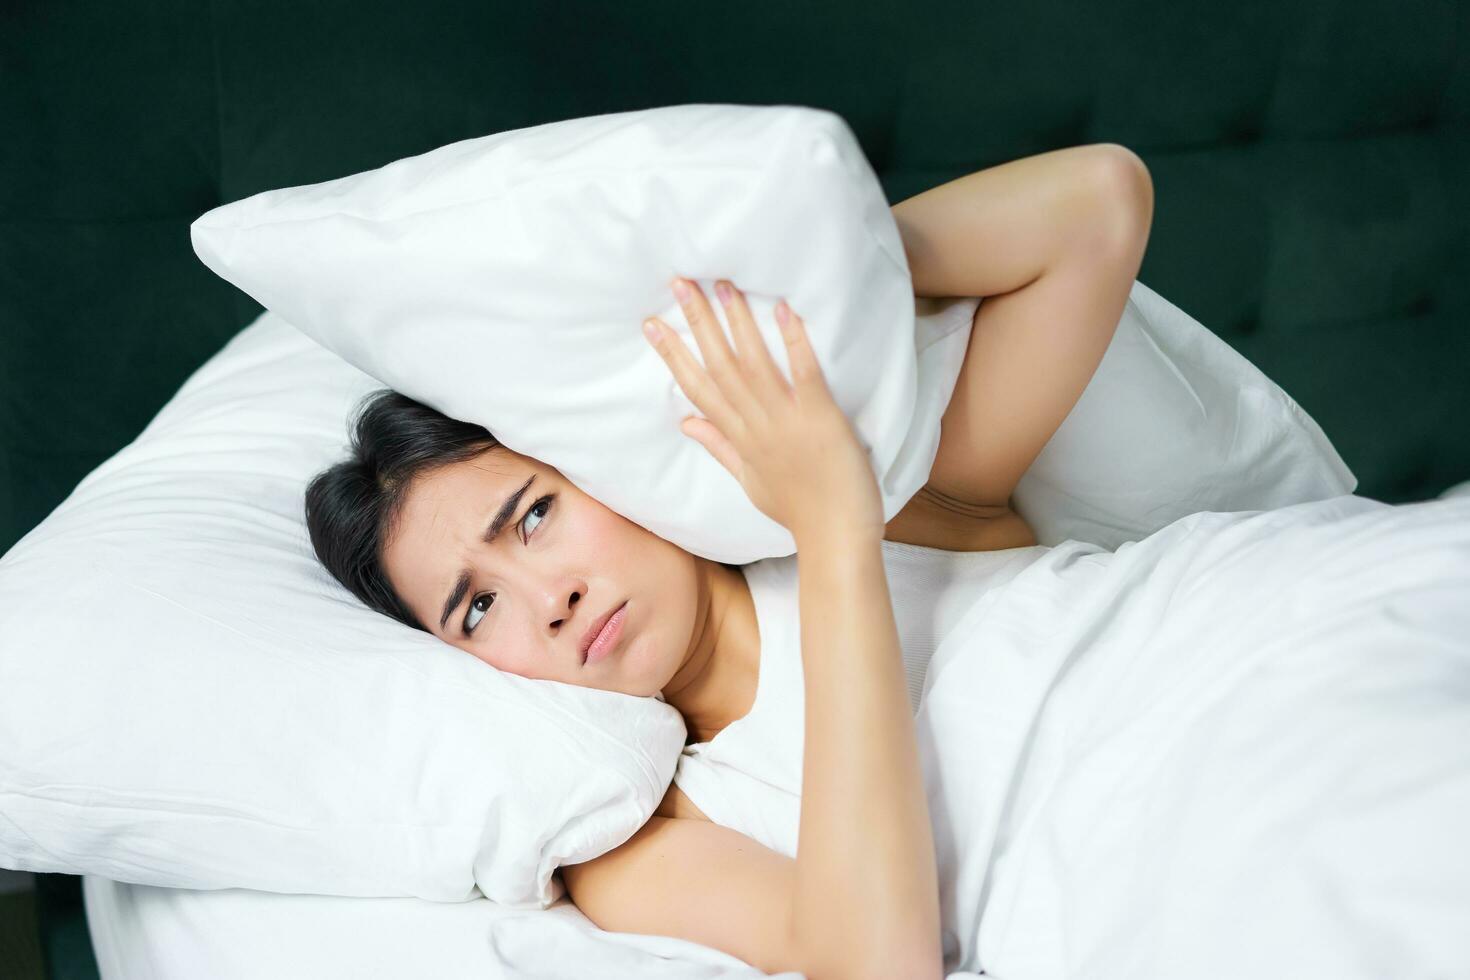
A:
(1053, 243)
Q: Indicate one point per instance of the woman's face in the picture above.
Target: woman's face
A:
(559, 562)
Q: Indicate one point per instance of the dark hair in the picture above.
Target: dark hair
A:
(353, 506)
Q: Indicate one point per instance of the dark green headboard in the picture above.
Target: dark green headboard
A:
(1311, 165)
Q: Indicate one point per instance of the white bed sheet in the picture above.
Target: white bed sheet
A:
(143, 932)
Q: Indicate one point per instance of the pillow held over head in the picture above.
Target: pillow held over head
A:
(189, 699)
(503, 281)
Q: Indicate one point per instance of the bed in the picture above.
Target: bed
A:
(1239, 746)
(1306, 160)
(140, 932)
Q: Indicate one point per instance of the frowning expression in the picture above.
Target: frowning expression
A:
(504, 558)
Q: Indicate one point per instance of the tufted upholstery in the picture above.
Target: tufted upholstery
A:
(1310, 162)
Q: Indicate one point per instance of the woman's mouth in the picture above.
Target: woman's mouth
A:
(607, 639)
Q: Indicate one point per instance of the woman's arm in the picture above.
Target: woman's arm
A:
(866, 902)
(1053, 242)
(864, 888)
(996, 230)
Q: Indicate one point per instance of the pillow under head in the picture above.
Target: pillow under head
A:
(188, 699)
(503, 280)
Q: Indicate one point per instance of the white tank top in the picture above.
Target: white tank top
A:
(748, 777)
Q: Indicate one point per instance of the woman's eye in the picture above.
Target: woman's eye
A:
(544, 500)
(471, 619)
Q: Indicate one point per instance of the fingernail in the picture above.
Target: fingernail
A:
(782, 312)
(723, 291)
(650, 330)
(681, 290)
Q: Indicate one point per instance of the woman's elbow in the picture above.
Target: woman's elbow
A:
(1126, 190)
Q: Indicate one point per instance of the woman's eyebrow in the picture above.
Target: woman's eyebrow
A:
(497, 523)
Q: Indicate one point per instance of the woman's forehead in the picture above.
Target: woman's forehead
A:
(448, 507)
(462, 490)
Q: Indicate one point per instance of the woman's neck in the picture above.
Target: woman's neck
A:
(716, 685)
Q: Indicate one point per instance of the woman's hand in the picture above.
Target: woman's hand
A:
(788, 443)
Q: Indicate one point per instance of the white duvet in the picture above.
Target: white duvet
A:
(1237, 748)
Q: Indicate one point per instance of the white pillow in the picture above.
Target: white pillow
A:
(188, 699)
(503, 281)
(477, 278)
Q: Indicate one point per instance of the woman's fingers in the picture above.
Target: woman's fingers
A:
(696, 384)
(735, 392)
(719, 359)
(704, 432)
(755, 356)
(766, 432)
(806, 371)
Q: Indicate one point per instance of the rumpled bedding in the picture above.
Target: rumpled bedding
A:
(1239, 747)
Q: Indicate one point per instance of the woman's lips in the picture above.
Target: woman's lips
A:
(604, 642)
